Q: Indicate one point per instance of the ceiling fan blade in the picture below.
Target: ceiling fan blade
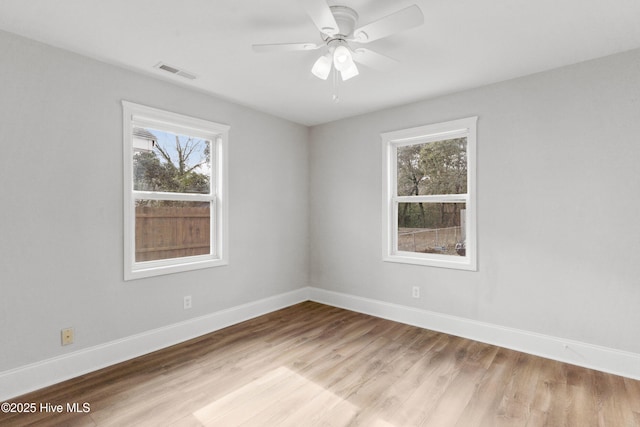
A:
(320, 13)
(373, 59)
(284, 47)
(398, 21)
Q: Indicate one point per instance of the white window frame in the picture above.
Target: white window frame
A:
(419, 135)
(135, 115)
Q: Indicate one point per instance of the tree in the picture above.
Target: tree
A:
(173, 170)
(444, 164)
(445, 169)
(410, 174)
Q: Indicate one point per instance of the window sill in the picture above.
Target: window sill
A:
(151, 269)
(433, 260)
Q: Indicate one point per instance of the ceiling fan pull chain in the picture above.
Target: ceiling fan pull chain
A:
(336, 86)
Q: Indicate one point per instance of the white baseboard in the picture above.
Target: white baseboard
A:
(574, 352)
(24, 379)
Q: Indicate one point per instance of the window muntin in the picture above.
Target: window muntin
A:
(429, 200)
(175, 192)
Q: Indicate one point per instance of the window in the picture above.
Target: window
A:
(429, 206)
(175, 192)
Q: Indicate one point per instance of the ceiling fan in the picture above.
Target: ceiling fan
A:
(337, 25)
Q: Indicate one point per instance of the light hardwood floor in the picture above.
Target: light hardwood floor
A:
(315, 365)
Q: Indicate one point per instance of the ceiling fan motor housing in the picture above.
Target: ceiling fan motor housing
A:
(346, 19)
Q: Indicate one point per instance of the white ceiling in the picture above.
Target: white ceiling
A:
(463, 44)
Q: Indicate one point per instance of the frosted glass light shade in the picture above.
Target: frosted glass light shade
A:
(349, 72)
(342, 58)
(322, 67)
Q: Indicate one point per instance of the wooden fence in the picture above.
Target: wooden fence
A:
(172, 232)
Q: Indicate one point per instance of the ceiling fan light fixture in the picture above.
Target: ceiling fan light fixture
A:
(342, 58)
(322, 67)
(349, 72)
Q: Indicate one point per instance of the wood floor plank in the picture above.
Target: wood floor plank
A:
(632, 389)
(375, 397)
(474, 360)
(581, 409)
(315, 365)
(518, 392)
(613, 403)
(490, 391)
(438, 371)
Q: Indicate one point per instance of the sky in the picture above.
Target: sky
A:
(167, 141)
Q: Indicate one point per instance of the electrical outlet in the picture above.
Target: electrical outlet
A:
(415, 292)
(67, 336)
(187, 302)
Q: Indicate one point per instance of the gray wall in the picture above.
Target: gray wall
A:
(558, 203)
(61, 220)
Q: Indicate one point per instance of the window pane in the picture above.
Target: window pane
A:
(165, 161)
(171, 229)
(438, 167)
(432, 228)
